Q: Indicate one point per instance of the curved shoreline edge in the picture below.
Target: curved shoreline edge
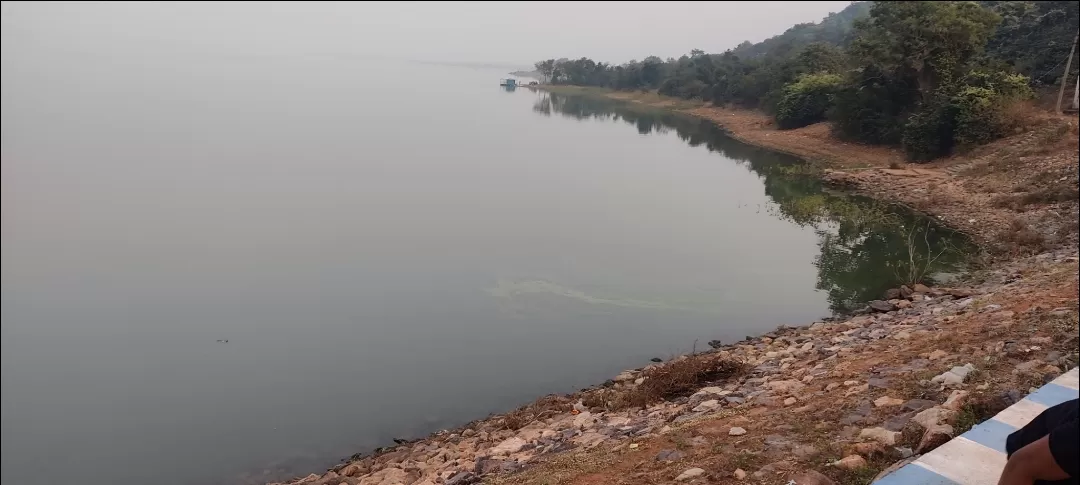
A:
(838, 400)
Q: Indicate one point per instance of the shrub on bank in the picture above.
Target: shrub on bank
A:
(806, 100)
(979, 111)
(869, 108)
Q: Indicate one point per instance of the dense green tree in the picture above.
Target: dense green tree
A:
(806, 100)
(1035, 37)
(906, 68)
(930, 42)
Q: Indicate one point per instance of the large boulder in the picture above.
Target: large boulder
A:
(934, 437)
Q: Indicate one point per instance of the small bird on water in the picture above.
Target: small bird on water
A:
(225, 341)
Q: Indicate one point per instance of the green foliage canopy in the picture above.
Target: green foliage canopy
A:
(928, 76)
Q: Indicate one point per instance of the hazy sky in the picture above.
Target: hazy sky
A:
(468, 32)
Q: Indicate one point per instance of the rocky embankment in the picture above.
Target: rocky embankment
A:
(833, 399)
(837, 401)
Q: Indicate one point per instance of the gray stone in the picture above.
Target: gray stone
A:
(849, 432)
(485, 466)
(589, 439)
(954, 376)
(805, 452)
(706, 394)
(585, 420)
(463, 478)
(705, 406)
(897, 423)
(670, 455)
(777, 442)
(882, 306)
(861, 411)
(918, 404)
(934, 437)
(686, 417)
(963, 370)
(1028, 367)
(509, 446)
(736, 431)
(934, 416)
(878, 382)
(689, 474)
(812, 477)
(1010, 396)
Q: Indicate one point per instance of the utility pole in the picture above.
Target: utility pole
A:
(1065, 75)
(1076, 95)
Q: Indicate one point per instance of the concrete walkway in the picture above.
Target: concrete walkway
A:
(978, 456)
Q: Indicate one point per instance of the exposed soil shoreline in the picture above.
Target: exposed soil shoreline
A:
(837, 401)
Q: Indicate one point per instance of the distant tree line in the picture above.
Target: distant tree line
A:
(931, 77)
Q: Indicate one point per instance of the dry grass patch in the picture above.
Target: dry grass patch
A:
(682, 378)
(541, 408)
(674, 379)
(1023, 237)
(1046, 195)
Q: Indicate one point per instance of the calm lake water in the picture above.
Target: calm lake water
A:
(389, 249)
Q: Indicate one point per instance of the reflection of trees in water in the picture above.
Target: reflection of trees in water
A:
(863, 245)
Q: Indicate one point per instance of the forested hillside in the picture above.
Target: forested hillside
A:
(929, 76)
